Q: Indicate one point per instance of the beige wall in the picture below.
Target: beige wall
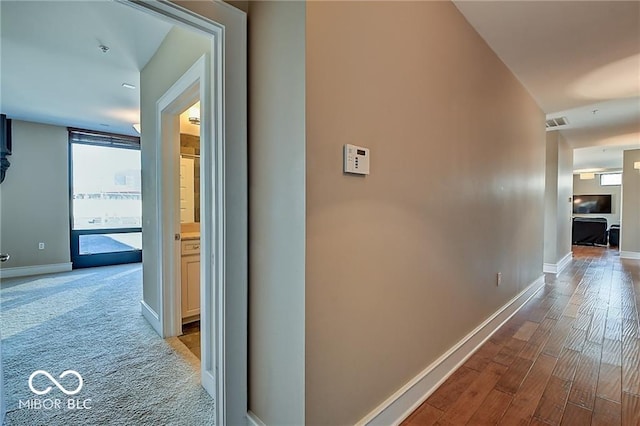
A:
(402, 264)
(592, 186)
(630, 221)
(34, 197)
(551, 199)
(565, 197)
(557, 204)
(277, 219)
(177, 53)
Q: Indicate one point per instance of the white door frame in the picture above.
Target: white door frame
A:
(215, 99)
(194, 85)
(190, 88)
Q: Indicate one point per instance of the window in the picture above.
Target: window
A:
(106, 198)
(609, 179)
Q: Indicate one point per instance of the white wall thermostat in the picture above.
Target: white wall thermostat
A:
(356, 159)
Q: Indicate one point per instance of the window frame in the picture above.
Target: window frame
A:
(78, 260)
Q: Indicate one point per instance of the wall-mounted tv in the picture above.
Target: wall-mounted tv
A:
(592, 204)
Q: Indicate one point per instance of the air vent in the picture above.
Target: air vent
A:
(556, 122)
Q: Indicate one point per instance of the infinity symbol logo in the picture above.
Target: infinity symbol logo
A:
(55, 382)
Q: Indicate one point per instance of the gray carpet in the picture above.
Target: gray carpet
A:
(89, 320)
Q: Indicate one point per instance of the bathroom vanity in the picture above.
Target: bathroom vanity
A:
(190, 276)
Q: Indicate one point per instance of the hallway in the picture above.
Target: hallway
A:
(570, 356)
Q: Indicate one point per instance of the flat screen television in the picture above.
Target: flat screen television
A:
(592, 204)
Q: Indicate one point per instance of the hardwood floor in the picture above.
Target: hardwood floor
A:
(570, 356)
(191, 337)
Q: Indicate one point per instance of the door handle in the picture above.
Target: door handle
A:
(176, 237)
(4, 257)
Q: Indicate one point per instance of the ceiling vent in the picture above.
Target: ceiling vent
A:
(557, 122)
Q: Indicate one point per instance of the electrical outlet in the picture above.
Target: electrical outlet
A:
(499, 278)
(40, 246)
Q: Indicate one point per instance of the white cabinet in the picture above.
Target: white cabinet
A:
(190, 277)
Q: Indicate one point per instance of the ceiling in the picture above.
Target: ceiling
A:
(574, 57)
(54, 72)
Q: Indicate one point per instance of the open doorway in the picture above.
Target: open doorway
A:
(190, 209)
(232, 127)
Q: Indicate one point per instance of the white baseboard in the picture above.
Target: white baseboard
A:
(556, 268)
(630, 255)
(408, 398)
(253, 420)
(25, 271)
(152, 317)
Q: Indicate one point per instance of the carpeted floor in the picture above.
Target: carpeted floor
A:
(89, 321)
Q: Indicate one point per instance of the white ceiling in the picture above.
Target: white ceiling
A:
(54, 72)
(574, 57)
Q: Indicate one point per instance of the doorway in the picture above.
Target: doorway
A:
(224, 183)
(226, 29)
(190, 209)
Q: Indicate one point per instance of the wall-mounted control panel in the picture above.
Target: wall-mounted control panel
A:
(356, 159)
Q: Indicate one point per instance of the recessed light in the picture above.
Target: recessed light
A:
(128, 86)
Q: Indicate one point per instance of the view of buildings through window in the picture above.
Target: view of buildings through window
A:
(106, 187)
(107, 194)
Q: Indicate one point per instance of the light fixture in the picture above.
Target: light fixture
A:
(636, 165)
(138, 128)
(587, 176)
(128, 86)
(194, 116)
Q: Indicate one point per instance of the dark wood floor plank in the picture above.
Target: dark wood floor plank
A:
(509, 351)
(583, 391)
(575, 415)
(526, 330)
(610, 382)
(471, 399)
(606, 413)
(613, 329)
(575, 339)
(612, 352)
(567, 363)
(483, 356)
(511, 380)
(526, 399)
(572, 309)
(426, 415)
(559, 334)
(582, 322)
(492, 409)
(631, 367)
(553, 401)
(452, 388)
(630, 409)
(598, 321)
